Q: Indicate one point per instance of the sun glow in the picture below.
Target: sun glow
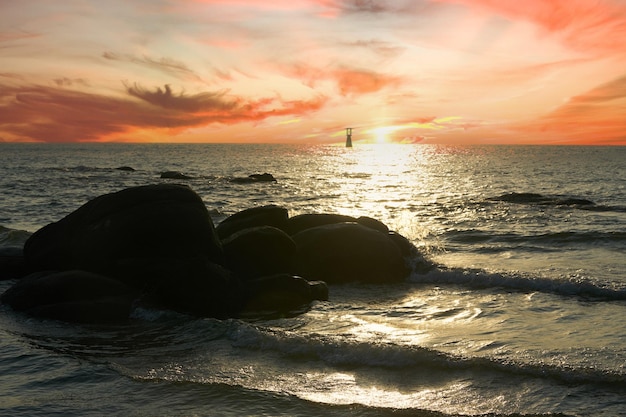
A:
(383, 134)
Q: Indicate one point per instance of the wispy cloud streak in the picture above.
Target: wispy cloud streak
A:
(50, 114)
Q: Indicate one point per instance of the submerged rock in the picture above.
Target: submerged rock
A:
(265, 177)
(539, 199)
(175, 175)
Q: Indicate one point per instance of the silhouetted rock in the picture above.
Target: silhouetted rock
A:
(195, 286)
(282, 294)
(259, 251)
(254, 178)
(157, 245)
(347, 252)
(175, 175)
(152, 221)
(373, 224)
(270, 215)
(125, 168)
(12, 263)
(308, 220)
(302, 222)
(74, 296)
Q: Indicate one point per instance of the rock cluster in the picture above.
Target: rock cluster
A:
(156, 245)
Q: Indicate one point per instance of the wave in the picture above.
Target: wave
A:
(341, 352)
(474, 236)
(479, 279)
(12, 238)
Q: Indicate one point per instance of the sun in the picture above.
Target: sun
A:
(382, 134)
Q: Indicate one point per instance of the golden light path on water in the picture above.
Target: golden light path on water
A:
(381, 180)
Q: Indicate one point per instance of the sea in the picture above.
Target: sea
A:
(515, 307)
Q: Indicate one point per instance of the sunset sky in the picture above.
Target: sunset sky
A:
(301, 71)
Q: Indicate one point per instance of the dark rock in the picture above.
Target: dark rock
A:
(519, 198)
(254, 178)
(270, 215)
(412, 256)
(302, 222)
(259, 251)
(12, 263)
(373, 224)
(125, 168)
(573, 202)
(153, 221)
(407, 249)
(75, 296)
(175, 175)
(282, 294)
(346, 252)
(194, 286)
(533, 198)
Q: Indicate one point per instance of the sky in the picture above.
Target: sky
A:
(301, 71)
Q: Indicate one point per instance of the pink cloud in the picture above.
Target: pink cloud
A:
(597, 27)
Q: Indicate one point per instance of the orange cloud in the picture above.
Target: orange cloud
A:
(349, 81)
(596, 116)
(352, 81)
(50, 114)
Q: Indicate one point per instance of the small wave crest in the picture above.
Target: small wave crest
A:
(491, 241)
(480, 279)
(12, 237)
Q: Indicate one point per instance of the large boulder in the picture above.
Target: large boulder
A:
(150, 221)
(75, 296)
(259, 251)
(347, 252)
(269, 215)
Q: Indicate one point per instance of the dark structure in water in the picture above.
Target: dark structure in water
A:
(348, 137)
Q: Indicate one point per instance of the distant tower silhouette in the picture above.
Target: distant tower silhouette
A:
(348, 137)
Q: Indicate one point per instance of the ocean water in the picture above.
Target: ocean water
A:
(523, 313)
